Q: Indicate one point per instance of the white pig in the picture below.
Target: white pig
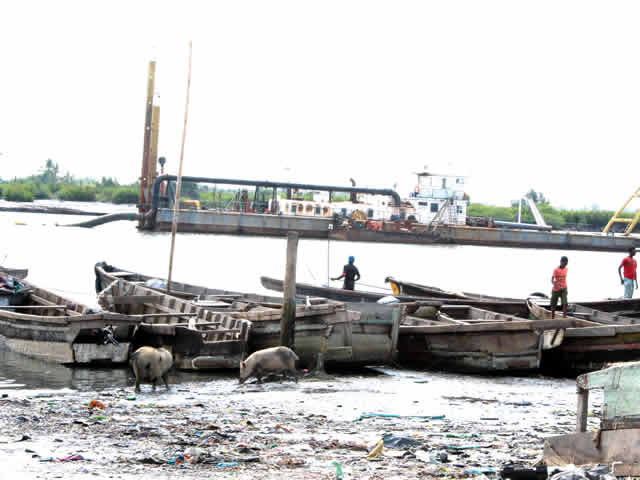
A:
(270, 360)
(151, 364)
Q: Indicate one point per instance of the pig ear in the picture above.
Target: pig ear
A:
(243, 364)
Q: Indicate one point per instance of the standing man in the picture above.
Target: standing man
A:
(349, 273)
(559, 290)
(630, 266)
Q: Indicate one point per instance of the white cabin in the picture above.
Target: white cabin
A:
(437, 191)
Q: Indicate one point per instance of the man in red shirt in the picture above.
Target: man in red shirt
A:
(630, 266)
(559, 290)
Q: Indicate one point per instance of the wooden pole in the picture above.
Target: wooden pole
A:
(288, 319)
(176, 205)
(582, 409)
(144, 179)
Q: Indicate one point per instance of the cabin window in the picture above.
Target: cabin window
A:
(444, 183)
(317, 210)
(434, 207)
(344, 212)
(458, 209)
(325, 210)
(423, 204)
(459, 180)
(370, 213)
(294, 209)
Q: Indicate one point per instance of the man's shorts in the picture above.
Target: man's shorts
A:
(556, 294)
(628, 288)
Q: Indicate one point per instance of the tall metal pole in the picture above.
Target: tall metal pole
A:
(144, 179)
(176, 205)
(152, 163)
(520, 210)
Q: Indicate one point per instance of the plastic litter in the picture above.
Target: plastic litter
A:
(392, 441)
(377, 450)
(339, 474)
(176, 460)
(70, 458)
(96, 404)
(571, 472)
(388, 415)
(226, 464)
(388, 300)
(518, 472)
(480, 471)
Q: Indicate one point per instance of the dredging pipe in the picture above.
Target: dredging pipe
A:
(155, 196)
(112, 217)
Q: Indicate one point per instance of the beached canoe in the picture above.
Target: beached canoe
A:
(19, 273)
(593, 346)
(42, 324)
(399, 287)
(347, 334)
(199, 339)
(472, 340)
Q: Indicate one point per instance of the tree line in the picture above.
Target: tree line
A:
(49, 183)
(586, 220)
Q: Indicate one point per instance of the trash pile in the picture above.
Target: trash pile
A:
(264, 431)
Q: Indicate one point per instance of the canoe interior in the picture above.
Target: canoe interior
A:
(417, 290)
(198, 338)
(45, 325)
(353, 336)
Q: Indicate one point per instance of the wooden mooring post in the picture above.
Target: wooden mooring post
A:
(288, 319)
(582, 409)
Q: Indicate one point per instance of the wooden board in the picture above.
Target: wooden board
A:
(580, 449)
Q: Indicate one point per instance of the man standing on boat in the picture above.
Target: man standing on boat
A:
(630, 266)
(559, 290)
(349, 273)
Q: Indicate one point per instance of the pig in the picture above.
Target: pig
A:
(270, 360)
(150, 364)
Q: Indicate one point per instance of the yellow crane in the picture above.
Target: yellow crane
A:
(618, 219)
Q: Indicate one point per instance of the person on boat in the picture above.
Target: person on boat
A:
(630, 266)
(559, 290)
(349, 273)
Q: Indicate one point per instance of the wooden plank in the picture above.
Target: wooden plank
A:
(582, 410)
(626, 469)
(491, 326)
(31, 307)
(119, 274)
(444, 318)
(580, 448)
(132, 299)
(164, 315)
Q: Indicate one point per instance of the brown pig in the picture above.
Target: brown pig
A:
(151, 364)
(270, 360)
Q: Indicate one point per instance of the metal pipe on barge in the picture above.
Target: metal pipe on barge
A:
(150, 215)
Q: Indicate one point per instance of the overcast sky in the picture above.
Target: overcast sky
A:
(513, 94)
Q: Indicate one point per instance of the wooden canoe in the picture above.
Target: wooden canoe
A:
(199, 339)
(347, 334)
(472, 340)
(399, 287)
(593, 345)
(45, 325)
(19, 273)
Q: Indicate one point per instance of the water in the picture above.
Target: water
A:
(62, 259)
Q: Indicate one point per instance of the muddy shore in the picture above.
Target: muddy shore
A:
(434, 425)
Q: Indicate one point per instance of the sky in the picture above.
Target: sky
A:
(512, 94)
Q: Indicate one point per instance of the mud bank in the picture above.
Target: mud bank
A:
(433, 425)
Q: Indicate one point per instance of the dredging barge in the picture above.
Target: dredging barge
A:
(157, 214)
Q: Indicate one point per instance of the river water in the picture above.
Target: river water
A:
(62, 259)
